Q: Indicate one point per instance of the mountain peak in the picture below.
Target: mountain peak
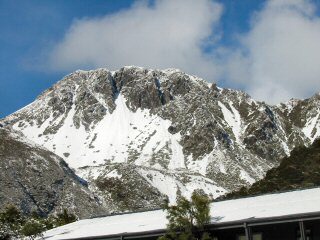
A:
(165, 130)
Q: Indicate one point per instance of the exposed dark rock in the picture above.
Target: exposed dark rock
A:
(38, 180)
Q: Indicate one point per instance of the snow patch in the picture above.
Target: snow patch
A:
(170, 183)
(245, 176)
(233, 119)
(312, 128)
(114, 174)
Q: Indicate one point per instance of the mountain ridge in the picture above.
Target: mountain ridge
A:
(172, 131)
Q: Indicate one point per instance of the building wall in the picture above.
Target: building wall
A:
(280, 231)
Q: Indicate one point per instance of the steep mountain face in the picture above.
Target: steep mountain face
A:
(35, 179)
(165, 131)
(304, 115)
(300, 170)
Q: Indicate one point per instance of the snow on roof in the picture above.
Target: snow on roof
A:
(259, 207)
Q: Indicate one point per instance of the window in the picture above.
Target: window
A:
(255, 236)
(307, 232)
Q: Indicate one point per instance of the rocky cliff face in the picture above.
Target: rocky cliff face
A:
(298, 171)
(167, 131)
(36, 179)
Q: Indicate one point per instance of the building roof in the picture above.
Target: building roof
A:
(270, 206)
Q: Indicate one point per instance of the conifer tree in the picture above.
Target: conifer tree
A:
(187, 219)
(33, 228)
(11, 221)
(65, 218)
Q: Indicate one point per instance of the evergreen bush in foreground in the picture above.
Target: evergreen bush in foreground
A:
(187, 219)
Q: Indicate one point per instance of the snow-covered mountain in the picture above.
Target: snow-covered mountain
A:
(138, 134)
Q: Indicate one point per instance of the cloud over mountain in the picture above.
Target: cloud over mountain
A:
(276, 59)
(160, 35)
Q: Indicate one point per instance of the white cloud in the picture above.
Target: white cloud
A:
(277, 59)
(280, 55)
(166, 34)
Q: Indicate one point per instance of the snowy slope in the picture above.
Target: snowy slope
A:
(110, 139)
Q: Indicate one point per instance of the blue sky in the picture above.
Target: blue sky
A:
(41, 41)
(27, 28)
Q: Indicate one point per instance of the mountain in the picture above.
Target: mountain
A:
(137, 135)
(35, 179)
(300, 170)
